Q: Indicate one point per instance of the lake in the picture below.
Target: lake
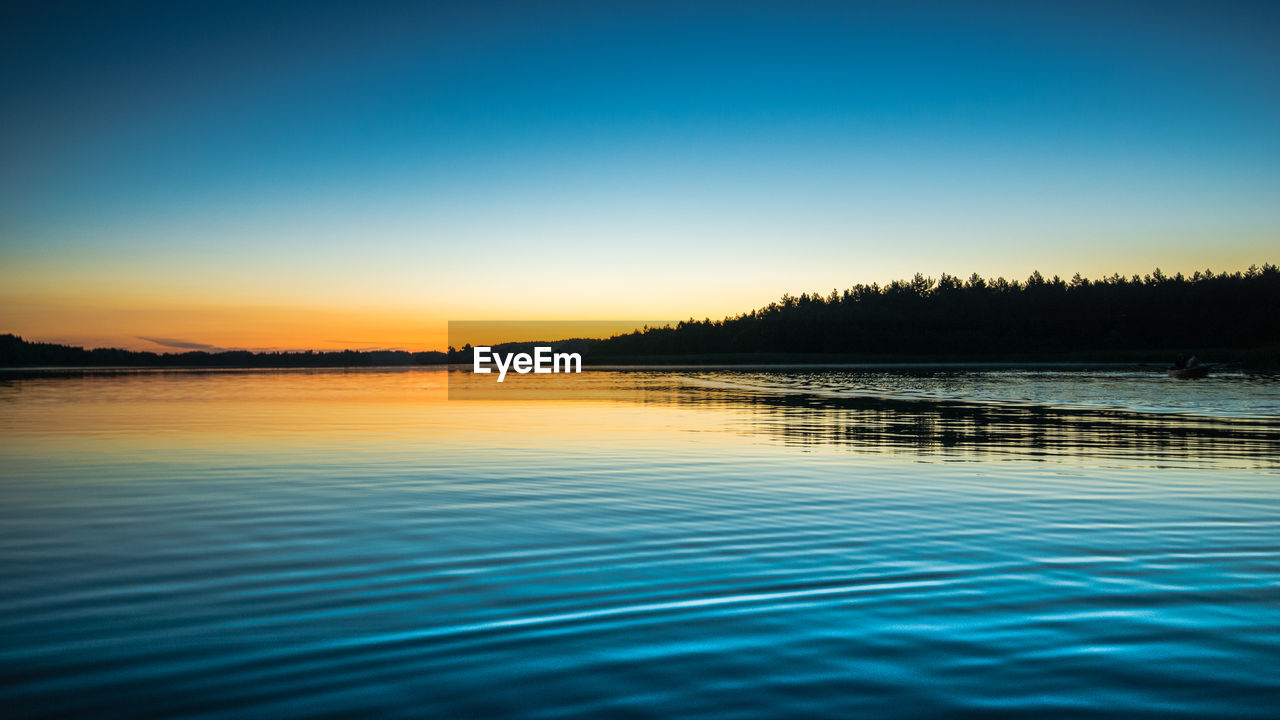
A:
(850, 542)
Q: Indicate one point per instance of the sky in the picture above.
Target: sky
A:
(355, 175)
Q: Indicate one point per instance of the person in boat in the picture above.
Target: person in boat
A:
(1180, 362)
(1193, 361)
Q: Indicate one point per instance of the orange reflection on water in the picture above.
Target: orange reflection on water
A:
(393, 409)
(434, 410)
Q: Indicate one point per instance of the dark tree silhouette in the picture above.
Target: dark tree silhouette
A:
(948, 318)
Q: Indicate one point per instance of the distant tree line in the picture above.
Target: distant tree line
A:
(950, 317)
(579, 345)
(16, 352)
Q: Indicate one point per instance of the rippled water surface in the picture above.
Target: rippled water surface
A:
(848, 543)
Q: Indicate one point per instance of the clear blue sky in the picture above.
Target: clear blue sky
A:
(176, 170)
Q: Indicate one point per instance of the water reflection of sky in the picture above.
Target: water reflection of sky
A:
(623, 544)
(975, 415)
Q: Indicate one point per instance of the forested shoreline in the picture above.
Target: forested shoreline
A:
(1122, 318)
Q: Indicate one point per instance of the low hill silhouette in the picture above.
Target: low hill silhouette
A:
(16, 352)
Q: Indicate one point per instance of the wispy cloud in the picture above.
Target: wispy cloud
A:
(182, 344)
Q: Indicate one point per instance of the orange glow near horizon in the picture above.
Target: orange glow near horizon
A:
(129, 313)
(178, 328)
(495, 332)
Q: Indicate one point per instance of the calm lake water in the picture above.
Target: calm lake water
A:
(722, 544)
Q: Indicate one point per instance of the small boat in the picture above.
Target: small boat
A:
(1189, 373)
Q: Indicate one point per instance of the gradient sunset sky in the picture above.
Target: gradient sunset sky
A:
(327, 175)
